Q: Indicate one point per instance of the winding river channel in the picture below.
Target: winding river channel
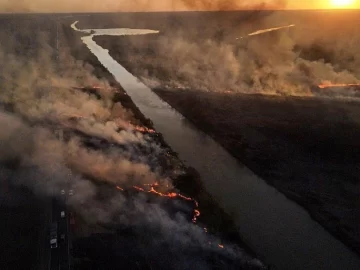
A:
(281, 232)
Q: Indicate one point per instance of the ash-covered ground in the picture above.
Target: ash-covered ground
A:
(259, 97)
(64, 121)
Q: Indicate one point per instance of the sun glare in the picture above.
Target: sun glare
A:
(342, 3)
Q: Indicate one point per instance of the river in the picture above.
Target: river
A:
(281, 232)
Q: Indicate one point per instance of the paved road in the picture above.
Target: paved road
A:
(27, 30)
(57, 258)
(60, 256)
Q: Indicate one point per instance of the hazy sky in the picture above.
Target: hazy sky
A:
(151, 5)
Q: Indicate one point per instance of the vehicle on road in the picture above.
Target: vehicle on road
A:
(62, 214)
(53, 235)
(71, 192)
(62, 192)
(53, 243)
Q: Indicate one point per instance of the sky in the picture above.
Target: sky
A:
(154, 5)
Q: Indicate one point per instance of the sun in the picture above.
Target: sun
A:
(342, 3)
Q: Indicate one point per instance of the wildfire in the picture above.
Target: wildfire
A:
(131, 126)
(172, 195)
(143, 129)
(196, 214)
(262, 31)
(326, 85)
(93, 87)
(139, 188)
(169, 195)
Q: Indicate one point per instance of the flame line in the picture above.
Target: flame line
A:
(322, 86)
(169, 195)
(172, 195)
(262, 31)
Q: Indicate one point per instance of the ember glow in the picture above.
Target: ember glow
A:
(119, 188)
(322, 86)
(130, 126)
(171, 195)
(262, 31)
(143, 129)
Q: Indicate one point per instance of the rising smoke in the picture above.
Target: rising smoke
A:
(206, 52)
(137, 5)
(44, 125)
(42, 97)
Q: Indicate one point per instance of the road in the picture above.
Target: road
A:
(27, 217)
(58, 258)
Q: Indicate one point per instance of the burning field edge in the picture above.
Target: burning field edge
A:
(318, 209)
(283, 139)
(216, 220)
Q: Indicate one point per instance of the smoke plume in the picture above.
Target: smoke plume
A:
(54, 136)
(208, 53)
(138, 5)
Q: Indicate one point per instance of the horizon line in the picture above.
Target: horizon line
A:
(174, 11)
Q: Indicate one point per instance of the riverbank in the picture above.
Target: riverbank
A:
(302, 146)
(189, 183)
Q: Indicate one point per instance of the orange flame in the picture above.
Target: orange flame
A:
(119, 188)
(144, 129)
(171, 195)
(196, 214)
(139, 188)
(137, 128)
(326, 85)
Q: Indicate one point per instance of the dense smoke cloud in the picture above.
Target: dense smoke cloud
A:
(43, 97)
(138, 5)
(208, 54)
(233, 4)
(45, 127)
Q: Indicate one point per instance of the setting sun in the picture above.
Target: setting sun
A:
(342, 3)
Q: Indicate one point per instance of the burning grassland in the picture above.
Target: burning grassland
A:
(284, 54)
(57, 132)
